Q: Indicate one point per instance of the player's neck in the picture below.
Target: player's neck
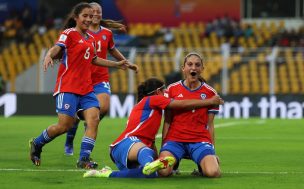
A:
(94, 28)
(81, 32)
(192, 84)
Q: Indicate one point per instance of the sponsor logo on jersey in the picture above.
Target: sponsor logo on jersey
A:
(62, 37)
(180, 95)
(203, 96)
(104, 37)
(80, 41)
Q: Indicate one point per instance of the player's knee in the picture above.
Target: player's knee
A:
(212, 172)
(165, 172)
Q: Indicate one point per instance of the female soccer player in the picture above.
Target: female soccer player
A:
(74, 89)
(100, 75)
(193, 139)
(134, 149)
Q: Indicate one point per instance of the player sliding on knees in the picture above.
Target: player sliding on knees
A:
(134, 151)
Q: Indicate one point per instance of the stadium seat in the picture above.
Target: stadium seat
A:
(3, 69)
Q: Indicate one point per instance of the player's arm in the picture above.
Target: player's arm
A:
(118, 56)
(108, 63)
(211, 127)
(166, 125)
(190, 104)
(50, 55)
(211, 131)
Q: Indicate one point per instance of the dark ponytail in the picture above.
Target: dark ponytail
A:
(70, 21)
(148, 87)
(110, 24)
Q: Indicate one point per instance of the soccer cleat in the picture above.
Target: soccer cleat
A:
(86, 163)
(158, 164)
(69, 150)
(34, 153)
(196, 172)
(103, 173)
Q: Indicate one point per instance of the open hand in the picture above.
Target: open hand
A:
(133, 67)
(47, 61)
(123, 64)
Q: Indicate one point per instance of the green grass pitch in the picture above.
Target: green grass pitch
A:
(254, 153)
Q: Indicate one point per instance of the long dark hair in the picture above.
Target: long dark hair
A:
(148, 87)
(110, 24)
(70, 21)
(201, 59)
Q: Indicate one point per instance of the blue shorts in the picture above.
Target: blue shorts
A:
(196, 150)
(69, 103)
(119, 153)
(103, 87)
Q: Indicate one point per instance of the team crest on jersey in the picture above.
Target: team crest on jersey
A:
(104, 37)
(66, 106)
(203, 96)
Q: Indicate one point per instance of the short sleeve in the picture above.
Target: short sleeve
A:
(159, 101)
(64, 39)
(213, 109)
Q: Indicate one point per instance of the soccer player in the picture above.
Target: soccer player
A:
(74, 89)
(191, 133)
(135, 148)
(100, 75)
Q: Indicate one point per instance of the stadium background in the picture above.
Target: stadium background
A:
(253, 52)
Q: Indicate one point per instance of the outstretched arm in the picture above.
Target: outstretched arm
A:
(119, 56)
(108, 63)
(191, 104)
(50, 55)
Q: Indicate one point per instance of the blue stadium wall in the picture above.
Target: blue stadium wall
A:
(280, 106)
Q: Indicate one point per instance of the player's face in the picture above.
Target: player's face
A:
(192, 68)
(97, 14)
(84, 19)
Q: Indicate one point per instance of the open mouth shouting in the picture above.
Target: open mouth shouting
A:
(193, 73)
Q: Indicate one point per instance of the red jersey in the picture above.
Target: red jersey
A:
(104, 41)
(144, 120)
(190, 126)
(74, 74)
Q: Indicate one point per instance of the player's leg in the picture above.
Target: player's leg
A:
(69, 141)
(65, 121)
(140, 154)
(90, 105)
(130, 152)
(204, 156)
(173, 150)
(103, 94)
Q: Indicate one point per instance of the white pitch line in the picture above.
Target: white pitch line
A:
(79, 170)
(42, 170)
(229, 124)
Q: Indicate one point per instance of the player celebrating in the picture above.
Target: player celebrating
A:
(74, 89)
(135, 147)
(195, 138)
(100, 75)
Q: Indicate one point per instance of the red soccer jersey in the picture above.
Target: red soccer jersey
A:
(104, 41)
(144, 120)
(190, 126)
(74, 74)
